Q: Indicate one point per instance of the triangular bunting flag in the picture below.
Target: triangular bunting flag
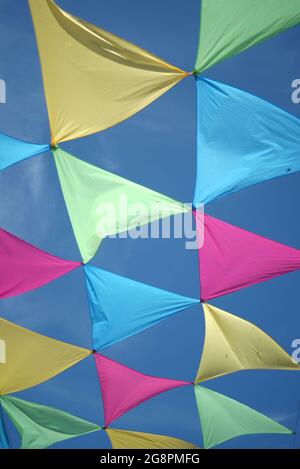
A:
(123, 388)
(3, 436)
(229, 27)
(232, 156)
(102, 204)
(105, 79)
(32, 358)
(40, 426)
(232, 258)
(124, 439)
(233, 344)
(223, 418)
(121, 307)
(24, 267)
(13, 150)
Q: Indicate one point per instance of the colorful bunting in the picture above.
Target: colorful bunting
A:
(105, 79)
(121, 307)
(92, 81)
(13, 150)
(33, 358)
(124, 439)
(229, 27)
(24, 267)
(232, 258)
(123, 388)
(3, 435)
(102, 204)
(232, 156)
(40, 426)
(233, 344)
(223, 418)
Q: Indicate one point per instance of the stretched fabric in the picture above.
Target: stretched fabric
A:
(231, 258)
(102, 204)
(121, 307)
(24, 267)
(93, 79)
(13, 150)
(223, 418)
(33, 358)
(233, 344)
(232, 156)
(229, 27)
(123, 388)
(3, 435)
(124, 439)
(40, 426)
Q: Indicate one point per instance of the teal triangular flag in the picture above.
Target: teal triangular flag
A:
(3, 436)
(223, 418)
(13, 150)
(242, 140)
(40, 426)
(121, 307)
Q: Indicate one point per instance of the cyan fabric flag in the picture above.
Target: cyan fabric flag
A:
(13, 150)
(3, 436)
(241, 140)
(121, 307)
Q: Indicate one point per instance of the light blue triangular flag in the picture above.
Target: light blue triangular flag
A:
(241, 140)
(13, 150)
(121, 307)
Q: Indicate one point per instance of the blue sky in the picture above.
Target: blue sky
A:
(157, 148)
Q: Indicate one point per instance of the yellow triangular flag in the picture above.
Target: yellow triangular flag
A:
(124, 439)
(93, 79)
(233, 344)
(32, 358)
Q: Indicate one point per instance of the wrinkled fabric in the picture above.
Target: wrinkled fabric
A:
(223, 418)
(233, 344)
(93, 79)
(231, 156)
(231, 258)
(229, 27)
(4, 444)
(123, 388)
(13, 150)
(40, 426)
(121, 307)
(33, 358)
(125, 439)
(24, 267)
(102, 204)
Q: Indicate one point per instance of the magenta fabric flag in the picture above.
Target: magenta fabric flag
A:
(24, 267)
(231, 258)
(123, 388)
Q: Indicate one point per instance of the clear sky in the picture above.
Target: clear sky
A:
(157, 148)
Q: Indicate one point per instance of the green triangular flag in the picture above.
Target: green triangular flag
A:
(223, 418)
(229, 27)
(102, 204)
(4, 444)
(40, 426)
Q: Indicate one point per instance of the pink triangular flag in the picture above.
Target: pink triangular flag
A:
(24, 267)
(231, 258)
(124, 388)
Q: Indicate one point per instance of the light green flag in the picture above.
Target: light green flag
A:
(40, 426)
(228, 27)
(101, 204)
(223, 418)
